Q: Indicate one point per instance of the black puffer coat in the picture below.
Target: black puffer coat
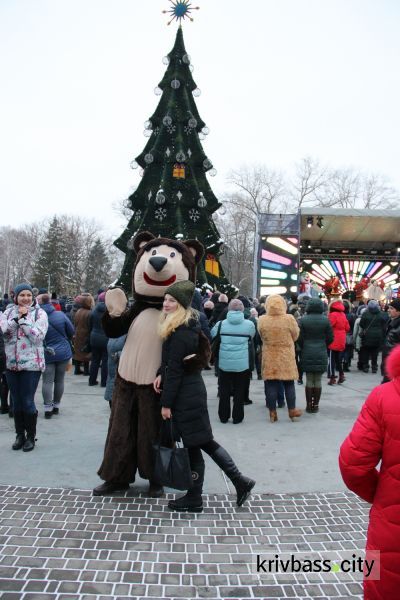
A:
(392, 335)
(315, 336)
(372, 323)
(183, 389)
(98, 338)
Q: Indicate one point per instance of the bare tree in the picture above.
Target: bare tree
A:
(237, 230)
(377, 193)
(256, 189)
(309, 184)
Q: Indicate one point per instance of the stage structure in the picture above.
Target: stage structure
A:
(338, 252)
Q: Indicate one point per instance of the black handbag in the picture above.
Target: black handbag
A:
(215, 345)
(172, 466)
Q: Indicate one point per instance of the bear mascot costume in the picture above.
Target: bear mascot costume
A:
(135, 419)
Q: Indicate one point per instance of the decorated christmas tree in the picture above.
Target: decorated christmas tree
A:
(174, 198)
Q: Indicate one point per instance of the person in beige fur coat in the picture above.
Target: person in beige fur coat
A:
(278, 332)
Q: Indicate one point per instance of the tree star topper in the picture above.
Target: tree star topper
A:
(180, 10)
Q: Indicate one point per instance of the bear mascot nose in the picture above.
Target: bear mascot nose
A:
(158, 262)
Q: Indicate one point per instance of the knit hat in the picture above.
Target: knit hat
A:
(182, 291)
(223, 298)
(208, 305)
(395, 304)
(236, 304)
(20, 288)
(101, 297)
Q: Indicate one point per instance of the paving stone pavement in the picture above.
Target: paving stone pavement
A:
(59, 544)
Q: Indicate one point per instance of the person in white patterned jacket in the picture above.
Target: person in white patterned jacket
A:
(24, 325)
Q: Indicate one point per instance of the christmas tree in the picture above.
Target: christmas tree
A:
(174, 198)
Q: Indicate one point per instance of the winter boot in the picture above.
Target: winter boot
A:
(332, 380)
(19, 430)
(273, 416)
(86, 368)
(109, 487)
(243, 485)
(155, 490)
(309, 399)
(3, 396)
(77, 370)
(316, 397)
(342, 378)
(294, 413)
(30, 426)
(191, 501)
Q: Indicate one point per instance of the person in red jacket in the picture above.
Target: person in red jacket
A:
(375, 437)
(340, 326)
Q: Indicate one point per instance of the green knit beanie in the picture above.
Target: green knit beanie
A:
(182, 291)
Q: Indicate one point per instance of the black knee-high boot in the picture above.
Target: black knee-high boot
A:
(30, 426)
(19, 430)
(243, 485)
(191, 501)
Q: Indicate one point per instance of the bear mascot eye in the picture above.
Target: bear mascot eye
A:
(172, 254)
(154, 252)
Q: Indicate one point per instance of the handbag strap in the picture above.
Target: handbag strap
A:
(365, 330)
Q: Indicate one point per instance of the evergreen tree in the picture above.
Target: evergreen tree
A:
(51, 266)
(98, 267)
(174, 198)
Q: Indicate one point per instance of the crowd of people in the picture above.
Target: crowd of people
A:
(279, 341)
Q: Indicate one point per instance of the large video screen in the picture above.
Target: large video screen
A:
(351, 272)
(278, 265)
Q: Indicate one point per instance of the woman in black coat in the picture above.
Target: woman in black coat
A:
(185, 352)
(315, 336)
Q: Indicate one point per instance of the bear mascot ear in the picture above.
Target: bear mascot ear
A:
(141, 240)
(196, 248)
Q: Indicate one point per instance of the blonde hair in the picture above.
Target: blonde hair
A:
(180, 316)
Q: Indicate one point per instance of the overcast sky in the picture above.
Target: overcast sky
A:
(280, 80)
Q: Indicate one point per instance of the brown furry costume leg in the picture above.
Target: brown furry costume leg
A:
(134, 426)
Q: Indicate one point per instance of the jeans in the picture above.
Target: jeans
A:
(53, 376)
(99, 355)
(23, 386)
(238, 384)
(272, 388)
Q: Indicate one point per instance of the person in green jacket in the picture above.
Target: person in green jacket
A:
(315, 336)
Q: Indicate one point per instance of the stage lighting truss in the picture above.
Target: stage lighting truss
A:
(351, 272)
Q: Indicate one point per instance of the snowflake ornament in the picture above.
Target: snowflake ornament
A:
(160, 214)
(187, 129)
(171, 129)
(138, 214)
(194, 215)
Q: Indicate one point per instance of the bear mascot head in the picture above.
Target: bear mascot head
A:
(160, 262)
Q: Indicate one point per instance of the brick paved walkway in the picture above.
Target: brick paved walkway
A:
(64, 544)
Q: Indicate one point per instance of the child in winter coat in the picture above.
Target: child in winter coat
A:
(375, 439)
